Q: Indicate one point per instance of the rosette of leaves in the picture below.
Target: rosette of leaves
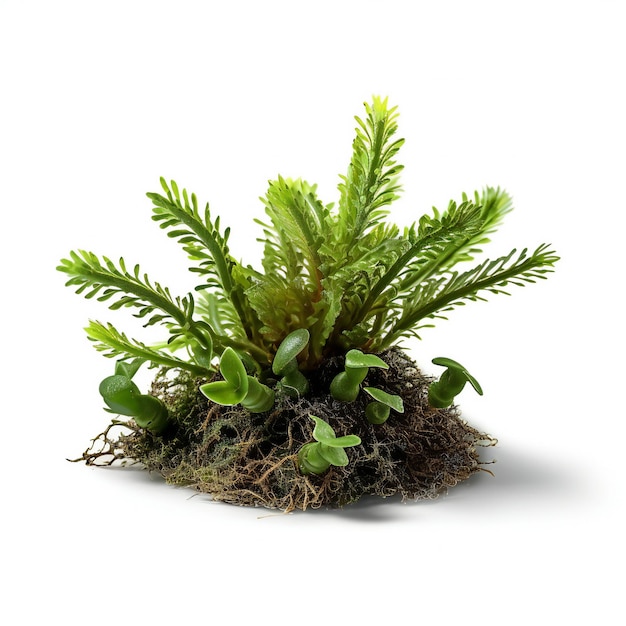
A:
(342, 273)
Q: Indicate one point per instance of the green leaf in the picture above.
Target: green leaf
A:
(323, 431)
(345, 388)
(297, 230)
(260, 397)
(441, 294)
(347, 441)
(121, 394)
(454, 365)
(127, 369)
(335, 456)
(115, 344)
(111, 282)
(310, 460)
(289, 349)
(233, 370)
(208, 247)
(222, 392)
(392, 401)
(356, 359)
(234, 388)
(371, 182)
(123, 397)
(441, 393)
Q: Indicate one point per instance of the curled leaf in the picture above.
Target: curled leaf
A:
(442, 392)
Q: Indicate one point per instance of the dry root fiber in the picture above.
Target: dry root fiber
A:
(248, 459)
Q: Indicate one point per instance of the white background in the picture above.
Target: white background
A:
(99, 99)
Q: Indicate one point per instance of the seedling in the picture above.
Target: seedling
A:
(442, 392)
(238, 387)
(345, 386)
(316, 458)
(123, 397)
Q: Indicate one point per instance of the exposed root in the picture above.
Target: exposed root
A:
(105, 450)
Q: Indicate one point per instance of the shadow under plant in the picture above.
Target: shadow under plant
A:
(285, 387)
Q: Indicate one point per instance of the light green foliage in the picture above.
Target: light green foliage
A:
(238, 387)
(341, 274)
(285, 363)
(328, 449)
(378, 412)
(108, 281)
(442, 392)
(345, 385)
(123, 397)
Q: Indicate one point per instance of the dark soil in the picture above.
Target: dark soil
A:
(251, 459)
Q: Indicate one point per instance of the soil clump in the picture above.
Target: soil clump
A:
(251, 459)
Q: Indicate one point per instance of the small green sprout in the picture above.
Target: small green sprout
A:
(345, 386)
(328, 449)
(442, 392)
(285, 363)
(238, 387)
(378, 412)
(123, 397)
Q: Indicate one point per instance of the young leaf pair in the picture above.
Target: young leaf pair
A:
(238, 387)
(328, 449)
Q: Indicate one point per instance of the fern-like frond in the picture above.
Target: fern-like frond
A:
(493, 204)
(353, 283)
(442, 293)
(208, 247)
(424, 250)
(219, 313)
(342, 273)
(439, 242)
(107, 282)
(465, 227)
(115, 344)
(297, 230)
(371, 182)
(283, 305)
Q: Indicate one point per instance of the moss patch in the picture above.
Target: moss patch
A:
(251, 459)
